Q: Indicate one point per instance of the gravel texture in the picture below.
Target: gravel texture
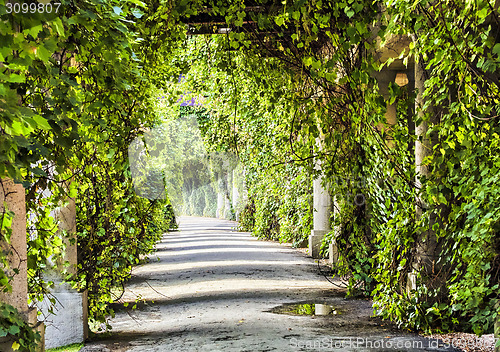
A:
(468, 342)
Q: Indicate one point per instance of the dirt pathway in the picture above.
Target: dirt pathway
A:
(210, 288)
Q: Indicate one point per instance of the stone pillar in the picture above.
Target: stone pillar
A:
(220, 199)
(13, 195)
(228, 194)
(427, 246)
(70, 323)
(384, 78)
(236, 195)
(321, 216)
(333, 254)
(227, 208)
(244, 188)
(66, 218)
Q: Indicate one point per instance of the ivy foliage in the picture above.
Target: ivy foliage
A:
(457, 44)
(75, 93)
(288, 88)
(15, 329)
(302, 82)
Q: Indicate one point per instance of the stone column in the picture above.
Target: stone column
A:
(13, 195)
(384, 78)
(427, 246)
(66, 218)
(244, 188)
(228, 194)
(227, 207)
(70, 323)
(220, 198)
(236, 195)
(321, 214)
(333, 255)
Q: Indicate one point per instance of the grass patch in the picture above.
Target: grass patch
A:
(75, 347)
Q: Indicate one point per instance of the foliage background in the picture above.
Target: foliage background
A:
(71, 107)
(314, 78)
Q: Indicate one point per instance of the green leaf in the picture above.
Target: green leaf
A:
(137, 13)
(496, 49)
(351, 32)
(13, 78)
(20, 128)
(42, 53)
(111, 153)
(33, 31)
(57, 23)
(316, 64)
(14, 330)
(41, 122)
(349, 11)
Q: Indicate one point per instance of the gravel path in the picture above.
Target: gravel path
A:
(211, 288)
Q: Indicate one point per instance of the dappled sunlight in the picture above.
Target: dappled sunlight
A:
(187, 302)
(179, 243)
(173, 268)
(184, 289)
(213, 251)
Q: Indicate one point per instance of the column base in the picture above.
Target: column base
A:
(67, 325)
(333, 253)
(39, 326)
(315, 239)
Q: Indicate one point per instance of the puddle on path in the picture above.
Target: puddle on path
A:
(306, 309)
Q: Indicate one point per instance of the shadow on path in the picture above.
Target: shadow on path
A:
(211, 288)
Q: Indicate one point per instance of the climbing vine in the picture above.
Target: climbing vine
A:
(74, 94)
(12, 325)
(286, 87)
(308, 89)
